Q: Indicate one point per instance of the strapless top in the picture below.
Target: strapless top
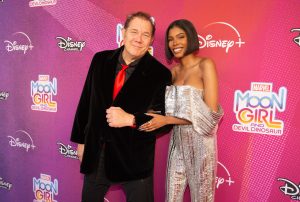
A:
(186, 102)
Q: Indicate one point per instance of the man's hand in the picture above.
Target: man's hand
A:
(80, 149)
(117, 117)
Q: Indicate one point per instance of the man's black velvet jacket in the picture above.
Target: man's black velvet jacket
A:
(129, 153)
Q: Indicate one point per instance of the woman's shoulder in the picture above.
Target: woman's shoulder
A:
(208, 69)
(207, 64)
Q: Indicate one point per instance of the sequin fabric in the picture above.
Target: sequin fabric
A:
(192, 157)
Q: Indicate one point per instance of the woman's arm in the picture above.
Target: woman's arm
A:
(210, 81)
(159, 120)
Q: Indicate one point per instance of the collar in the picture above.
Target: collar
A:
(132, 64)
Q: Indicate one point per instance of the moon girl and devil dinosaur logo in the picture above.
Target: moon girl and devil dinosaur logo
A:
(42, 92)
(256, 109)
(44, 189)
(36, 3)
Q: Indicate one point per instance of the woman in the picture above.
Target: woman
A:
(192, 106)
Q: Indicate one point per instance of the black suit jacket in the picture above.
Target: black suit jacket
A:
(129, 153)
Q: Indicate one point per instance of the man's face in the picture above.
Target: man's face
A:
(137, 38)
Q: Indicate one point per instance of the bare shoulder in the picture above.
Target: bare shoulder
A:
(207, 64)
(208, 67)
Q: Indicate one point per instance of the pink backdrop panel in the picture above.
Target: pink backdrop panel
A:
(255, 45)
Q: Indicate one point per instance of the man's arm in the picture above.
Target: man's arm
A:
(158, 107)
(117, 117)
(82, 112)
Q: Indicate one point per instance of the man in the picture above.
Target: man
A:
(111, 148)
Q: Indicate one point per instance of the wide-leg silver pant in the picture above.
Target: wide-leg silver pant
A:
(192, 162)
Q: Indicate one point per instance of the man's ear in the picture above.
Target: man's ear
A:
(152, 40)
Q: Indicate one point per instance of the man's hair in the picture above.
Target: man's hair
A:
(191, 33)
(142, 15)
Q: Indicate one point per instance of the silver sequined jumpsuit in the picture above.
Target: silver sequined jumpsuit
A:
(192, 158)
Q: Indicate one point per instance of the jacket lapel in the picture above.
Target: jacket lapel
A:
(108, 76)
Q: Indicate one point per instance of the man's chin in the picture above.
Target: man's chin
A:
(138, 55)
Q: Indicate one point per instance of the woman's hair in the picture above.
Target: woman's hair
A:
(141, 15)
(191, 33)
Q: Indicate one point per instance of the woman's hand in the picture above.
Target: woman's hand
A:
(156, 122)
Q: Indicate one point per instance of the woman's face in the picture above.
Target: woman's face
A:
(177, 41)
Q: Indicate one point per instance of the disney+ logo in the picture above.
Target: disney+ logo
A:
(291, 189)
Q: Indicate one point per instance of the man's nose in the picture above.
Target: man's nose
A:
(139, 38)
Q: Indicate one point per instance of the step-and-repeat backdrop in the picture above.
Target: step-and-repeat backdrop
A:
(45, 50)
